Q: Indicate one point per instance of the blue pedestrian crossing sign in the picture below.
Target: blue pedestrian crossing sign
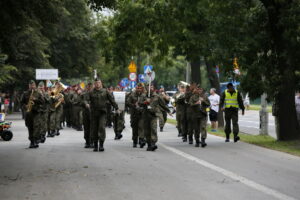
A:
(148, 68)
(142, 78)
(132, 84)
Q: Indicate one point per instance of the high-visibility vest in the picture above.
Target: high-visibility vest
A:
(231, 100)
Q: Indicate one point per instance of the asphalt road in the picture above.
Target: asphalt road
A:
(62, 169)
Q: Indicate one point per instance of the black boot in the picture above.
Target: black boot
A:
(227, 138)
(49, 134)
(87, 145)
(43, 139)
(142, 143)
(31, 146)
(52, 133)
(101, 146)
(236, 138)
(95, 146)
(149, 148)
(191, 140)
(161, 129)
(36, 144)
(197, 143)
(179, 134)
(203, 144)
(57, 132)
(120, 136)
(184, 139)
(134, 144)
(154, 147)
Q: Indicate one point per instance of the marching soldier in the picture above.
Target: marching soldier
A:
(199, 102)
(232, 100)
(77, 109)
(189, 111)
(96, 101)
(58, 108)
(118, 120)
(51, 109)
(180, 111)
(151, 106)
(44, 109)
(136, 120)
(87, 116)
(109, 109)
(162, 115)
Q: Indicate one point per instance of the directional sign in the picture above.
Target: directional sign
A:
(141, 78)
(132, 67)
(132, 76)
(132, 84)
(148, 68)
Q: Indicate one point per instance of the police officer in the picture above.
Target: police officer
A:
(96, 101)
(232, 100)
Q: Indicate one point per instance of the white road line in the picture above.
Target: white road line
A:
(230, 174)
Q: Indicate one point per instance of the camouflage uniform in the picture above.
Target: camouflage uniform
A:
(86, 120)
(180, 114)
(199, 118)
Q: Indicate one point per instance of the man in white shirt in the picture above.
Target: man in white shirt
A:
(214, 109)
(297, 102)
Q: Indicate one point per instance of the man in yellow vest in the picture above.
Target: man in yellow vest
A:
(231, 101)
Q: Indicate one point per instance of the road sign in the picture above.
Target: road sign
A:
(148, 68)
(132, 84)
(142, 78)
(150, 76)
(132, 76)
(124, 82)
(132, 67)
(46, 74)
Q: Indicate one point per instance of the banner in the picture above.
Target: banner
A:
(46, 74)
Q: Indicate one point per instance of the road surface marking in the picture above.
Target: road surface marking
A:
(230, 174)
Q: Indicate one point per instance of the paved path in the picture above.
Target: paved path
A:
(62, 169)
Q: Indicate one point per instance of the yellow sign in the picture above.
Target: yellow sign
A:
(82, 85)
(132, 67)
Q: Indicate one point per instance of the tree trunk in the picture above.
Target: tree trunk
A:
(215, 83)
(195, 70)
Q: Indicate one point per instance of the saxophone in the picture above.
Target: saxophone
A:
(60, 100)
(30, 102)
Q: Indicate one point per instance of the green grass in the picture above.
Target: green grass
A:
(291, 147)
(258, 107)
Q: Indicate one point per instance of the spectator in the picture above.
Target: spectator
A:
(6, 104)
(297, 102)
(247, 102)
(214, 109)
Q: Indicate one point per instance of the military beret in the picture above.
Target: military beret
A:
(41, 84)
(31, 82)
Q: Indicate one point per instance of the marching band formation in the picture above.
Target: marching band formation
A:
(92, 109)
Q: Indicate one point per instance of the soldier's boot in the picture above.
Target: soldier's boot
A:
(203, 143)
(101, 148)
(120, 136)
(161, 129)
(31, 146)
(36, 144)
(227, 138)
(91, 145)
(142, 143)
(154, 147)
(179, 134)
(43, 139)
(149, 148)
(87, 145)
(49, 134)
(134, 143)
(57, 132)
(191, 140)
(236, 138)
(184, 139)
(52, 133)
(197, 143)
(95, 146)
(80, 128)
(116, 136)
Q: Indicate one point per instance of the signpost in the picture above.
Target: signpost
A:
(46, 74)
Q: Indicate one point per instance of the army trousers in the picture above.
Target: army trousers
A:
(58, 117)
(162, 118)
(189, 124)
(34, 121)
(150, 128)
(231, 115)
(98, 118)
(87, 126)
(52, 121)
(44, 125)
(181, 122)
(199, 127)
(77, 116)
(68, 115)
(118, 122)
(137, 124)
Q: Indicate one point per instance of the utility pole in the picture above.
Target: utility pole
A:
(188, 72)
(264, 116)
